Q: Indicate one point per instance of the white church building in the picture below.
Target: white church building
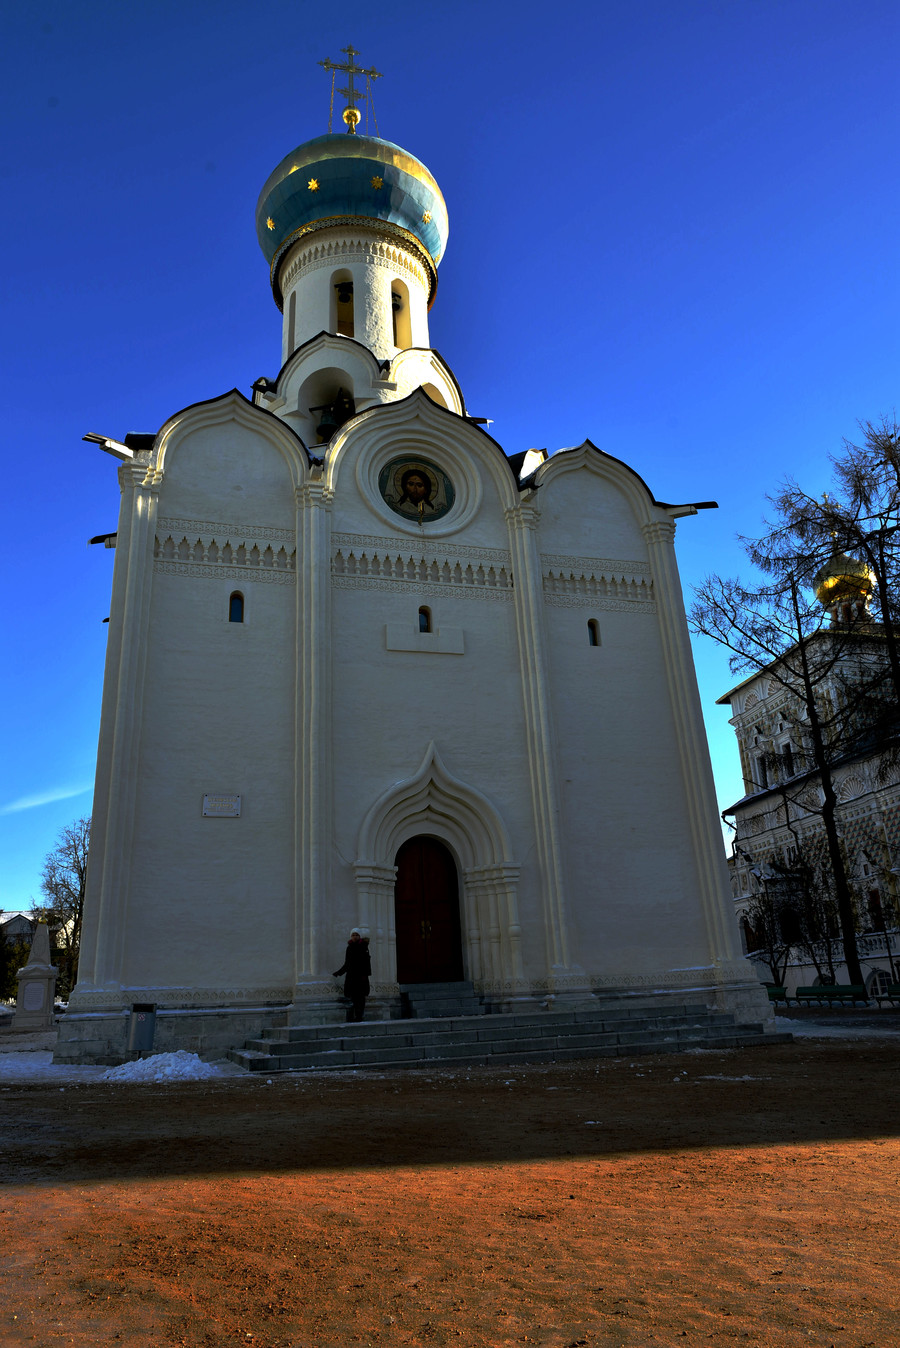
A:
(365, 669)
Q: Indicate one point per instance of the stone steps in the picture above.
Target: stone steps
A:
(428, 1001)
(509, 1038)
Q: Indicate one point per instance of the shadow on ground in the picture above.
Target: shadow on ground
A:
(802, 1092)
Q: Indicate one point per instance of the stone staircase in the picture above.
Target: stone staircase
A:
(429, 1001)
(509, 1038)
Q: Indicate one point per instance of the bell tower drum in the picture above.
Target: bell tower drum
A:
(353, 228)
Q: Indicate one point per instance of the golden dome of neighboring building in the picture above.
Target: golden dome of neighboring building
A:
(843, 577)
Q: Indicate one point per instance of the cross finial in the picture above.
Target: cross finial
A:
(350, 68)
(826, 502)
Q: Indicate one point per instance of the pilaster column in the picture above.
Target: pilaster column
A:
(375, 916)
(312, 756)
(506, 881)
(690, 732)
(114, 808)
(494, 935)
(522, 521)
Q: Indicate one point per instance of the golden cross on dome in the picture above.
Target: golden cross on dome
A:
(349, 67)
(826, 502)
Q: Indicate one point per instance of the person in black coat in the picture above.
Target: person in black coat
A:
(357, 967)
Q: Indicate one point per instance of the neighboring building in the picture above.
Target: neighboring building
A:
(16, 926)
(365, 669)
(776, 819)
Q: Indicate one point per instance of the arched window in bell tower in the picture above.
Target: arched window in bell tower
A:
(400, 315)
(342, 304)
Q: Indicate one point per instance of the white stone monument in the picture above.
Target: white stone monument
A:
(37, 985)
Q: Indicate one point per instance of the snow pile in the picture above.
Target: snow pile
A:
(178, 1066)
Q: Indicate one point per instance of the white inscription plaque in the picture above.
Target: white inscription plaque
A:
(221, 805)
(33, 999)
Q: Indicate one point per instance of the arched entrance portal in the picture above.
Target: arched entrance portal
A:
(426, 905)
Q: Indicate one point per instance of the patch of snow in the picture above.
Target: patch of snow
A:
(804, 1029)
(177, 1066)
(721, 1078)
(38, 1064)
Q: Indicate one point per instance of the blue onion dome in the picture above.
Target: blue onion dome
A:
(337, 179)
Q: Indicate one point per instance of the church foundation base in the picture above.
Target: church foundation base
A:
(728, 988)
(101, 1037)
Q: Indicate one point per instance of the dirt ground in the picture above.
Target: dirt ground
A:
(703, 1198)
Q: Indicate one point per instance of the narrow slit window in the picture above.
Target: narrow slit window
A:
(400, 315)
(343, 304)
(236, 608)
(593, 632)
(424, 619)
(292, 323)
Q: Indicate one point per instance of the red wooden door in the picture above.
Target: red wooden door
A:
(426, 902)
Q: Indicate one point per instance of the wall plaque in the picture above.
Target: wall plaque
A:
(33, 997)
(218, 805)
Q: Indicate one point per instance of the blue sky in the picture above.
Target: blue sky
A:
(673, 229)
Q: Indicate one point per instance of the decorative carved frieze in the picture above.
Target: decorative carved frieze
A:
(220, 530)
(360, 562)
(370, 251)
(243, 552)
(598, 602)
(378, 543)
(242, 573)
(592, 566)
(597, 582)
(851, 787)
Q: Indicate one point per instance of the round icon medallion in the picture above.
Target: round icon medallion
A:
(416, 489)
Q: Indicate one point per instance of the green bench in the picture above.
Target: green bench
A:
(843, 994)
(892, 995)
(776, 994)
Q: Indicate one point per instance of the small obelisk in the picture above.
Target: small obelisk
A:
(37, 985)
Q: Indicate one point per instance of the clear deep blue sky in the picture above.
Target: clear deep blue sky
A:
(673, 229)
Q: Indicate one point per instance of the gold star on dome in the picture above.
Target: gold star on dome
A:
(270, 223)
(313, 184)
(426, 217)
(377, 182)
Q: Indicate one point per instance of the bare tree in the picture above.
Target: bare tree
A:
(13, 954)
(63, 880)
(767, 940)
(861, 517)
(802, 877)
(774, 630)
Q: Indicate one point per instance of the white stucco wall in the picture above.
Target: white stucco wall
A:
(564, 777)
(629, 858)
(218, 716)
